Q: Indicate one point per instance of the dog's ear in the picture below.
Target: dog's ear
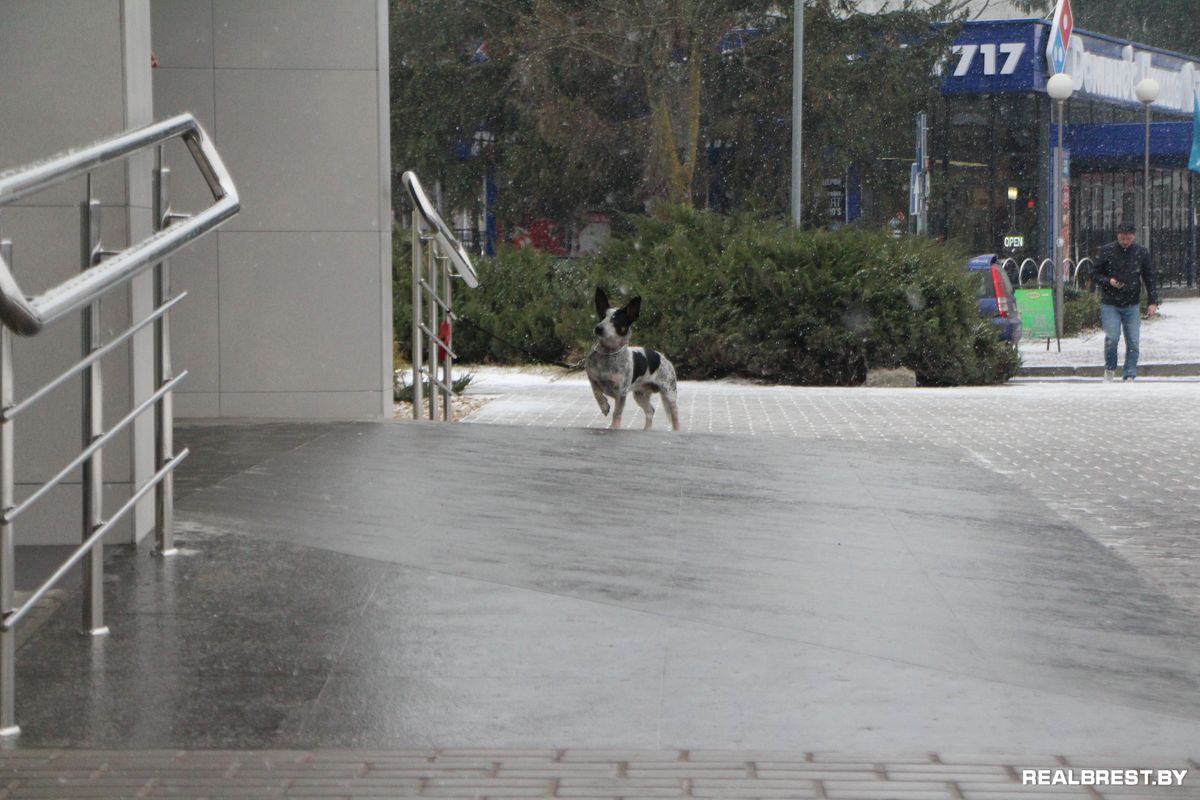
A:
(633, 308)
(601, 302)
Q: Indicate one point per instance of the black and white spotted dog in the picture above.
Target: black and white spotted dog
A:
(615, 369)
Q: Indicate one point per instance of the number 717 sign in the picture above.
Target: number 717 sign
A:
(1010, 52)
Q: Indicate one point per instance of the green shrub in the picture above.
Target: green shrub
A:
(526, 309)
(402, 289)
(1081, 311)
(739, 296)
(518, 301)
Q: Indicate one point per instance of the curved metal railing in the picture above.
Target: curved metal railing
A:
(1011, 273)
(102, 270)
(1079, 270)
(436, 257)
(1028, 267)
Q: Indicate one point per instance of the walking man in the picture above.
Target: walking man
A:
(1120, 270)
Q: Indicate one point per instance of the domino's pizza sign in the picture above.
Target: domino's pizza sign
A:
(1060, 37)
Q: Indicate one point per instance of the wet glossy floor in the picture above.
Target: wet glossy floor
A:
(360, 584)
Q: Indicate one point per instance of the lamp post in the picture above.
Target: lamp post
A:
(1147, 92)
(1060, 87)
(797, 109)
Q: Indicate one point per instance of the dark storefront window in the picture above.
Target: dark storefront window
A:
(1102, 199)
(987, 145)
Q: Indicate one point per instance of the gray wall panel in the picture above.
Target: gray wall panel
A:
(294, 312)
(61, 80)
(302, 147)
(196, 404)
(291, 310)
(183, 34)
(295, 34)
(195, 323)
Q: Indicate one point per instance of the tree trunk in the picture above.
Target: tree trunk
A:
(675, 113)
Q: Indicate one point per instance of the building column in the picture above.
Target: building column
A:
(72, 72)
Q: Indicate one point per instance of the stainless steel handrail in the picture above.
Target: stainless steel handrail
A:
(436, 257)
(450, 246)
(27, 316)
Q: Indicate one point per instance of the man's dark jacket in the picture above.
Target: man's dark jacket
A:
(1129, 265)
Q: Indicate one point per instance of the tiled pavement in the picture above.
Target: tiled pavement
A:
(562, 773)
(1122, 461)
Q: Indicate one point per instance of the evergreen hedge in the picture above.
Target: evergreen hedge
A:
(739, 296)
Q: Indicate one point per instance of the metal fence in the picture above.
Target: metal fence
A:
(102, 270)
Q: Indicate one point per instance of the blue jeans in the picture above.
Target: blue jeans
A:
(1113, 319)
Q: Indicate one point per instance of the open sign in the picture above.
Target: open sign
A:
(1014, 242)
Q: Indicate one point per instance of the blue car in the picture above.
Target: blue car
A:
(996, 301)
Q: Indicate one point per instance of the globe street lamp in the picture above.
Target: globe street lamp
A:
(1060, 87)
(1147, 92)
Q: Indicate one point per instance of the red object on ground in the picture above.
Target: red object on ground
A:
(444, 338)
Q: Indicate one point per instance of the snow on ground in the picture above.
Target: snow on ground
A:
(1173, 337)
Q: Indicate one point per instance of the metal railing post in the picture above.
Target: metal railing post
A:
(448, 359)
(432, 342)
(92, 428)
(164, 418)
(8, 638)
(417, 358)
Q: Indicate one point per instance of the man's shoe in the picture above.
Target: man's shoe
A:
(1110, 374)
(1129, 378)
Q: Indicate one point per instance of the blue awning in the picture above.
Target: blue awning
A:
(1170, 143)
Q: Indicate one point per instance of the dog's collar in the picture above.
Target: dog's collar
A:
(598, 349)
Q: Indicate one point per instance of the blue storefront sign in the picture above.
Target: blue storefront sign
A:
(997, 57)
(1011, 56)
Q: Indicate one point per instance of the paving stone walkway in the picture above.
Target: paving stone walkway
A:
(592, 774)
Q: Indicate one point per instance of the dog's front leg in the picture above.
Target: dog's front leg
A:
(618, 407)
(600, 398)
